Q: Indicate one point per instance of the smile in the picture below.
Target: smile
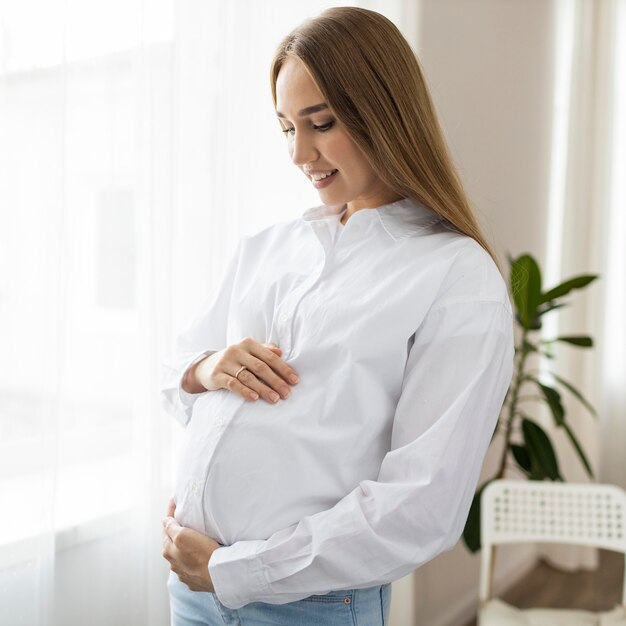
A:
(326, 180)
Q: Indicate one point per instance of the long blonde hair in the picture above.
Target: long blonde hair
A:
(372, 80)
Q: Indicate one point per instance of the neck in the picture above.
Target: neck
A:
(351, 210)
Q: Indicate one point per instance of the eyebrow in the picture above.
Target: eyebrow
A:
(308, 110)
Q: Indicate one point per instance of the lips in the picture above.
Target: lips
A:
(324, 182)
(317, 172)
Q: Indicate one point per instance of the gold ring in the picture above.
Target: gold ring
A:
(243, 367)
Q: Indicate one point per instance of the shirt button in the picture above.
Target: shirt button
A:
(284, 317)
(195, 487)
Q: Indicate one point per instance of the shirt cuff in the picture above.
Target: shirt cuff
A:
(237, 574)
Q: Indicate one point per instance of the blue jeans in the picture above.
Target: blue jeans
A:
(348, 607)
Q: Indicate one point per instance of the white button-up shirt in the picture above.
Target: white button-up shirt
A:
(401, 330)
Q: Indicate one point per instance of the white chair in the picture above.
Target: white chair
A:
(515, 511)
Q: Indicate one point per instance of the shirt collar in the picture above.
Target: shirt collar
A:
(400, 219)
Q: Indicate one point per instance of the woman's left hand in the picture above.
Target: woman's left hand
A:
(188, 552)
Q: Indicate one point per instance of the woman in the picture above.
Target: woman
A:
(300, 501)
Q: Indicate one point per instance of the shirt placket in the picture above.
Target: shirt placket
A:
(287, 309)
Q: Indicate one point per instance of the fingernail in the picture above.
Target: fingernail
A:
(294, 379)
(274, 397)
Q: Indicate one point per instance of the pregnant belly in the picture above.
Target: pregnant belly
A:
(274, 465)
(258, 468)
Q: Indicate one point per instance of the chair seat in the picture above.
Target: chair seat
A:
(499, 613)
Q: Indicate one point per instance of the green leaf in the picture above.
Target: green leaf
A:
(471, 531)
(578, 282)
(520, 454)
(528, 346)
(576, 445)
(542, 310)
(553, 398)
(526, 287)
(575, 392)
(539, 446)
(583, 341)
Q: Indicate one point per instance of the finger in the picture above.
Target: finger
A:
(265, 355)
(171, 526)
(266, 392)
(261, 377)
(233, 384)
(171, 507)
(271, 361)
(166, 552)
(248, 384)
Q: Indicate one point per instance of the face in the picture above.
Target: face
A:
(317, 141)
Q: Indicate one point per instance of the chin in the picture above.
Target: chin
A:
(329, 197)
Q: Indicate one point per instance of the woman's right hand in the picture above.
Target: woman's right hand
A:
(266, 374)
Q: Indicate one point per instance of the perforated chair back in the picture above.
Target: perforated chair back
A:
(514, 511)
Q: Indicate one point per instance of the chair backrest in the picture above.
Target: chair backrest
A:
(520, 511)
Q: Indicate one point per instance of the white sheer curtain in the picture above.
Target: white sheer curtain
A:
(611, 250)
(587, 235)
(137, 142)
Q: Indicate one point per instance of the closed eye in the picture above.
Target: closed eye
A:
(322, 129)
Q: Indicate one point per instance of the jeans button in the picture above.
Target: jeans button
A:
(346, 600)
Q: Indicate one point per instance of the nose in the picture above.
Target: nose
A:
(303, 149)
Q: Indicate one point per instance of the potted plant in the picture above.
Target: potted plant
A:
(526, 443)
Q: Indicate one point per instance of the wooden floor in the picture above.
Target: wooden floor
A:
(544, 586)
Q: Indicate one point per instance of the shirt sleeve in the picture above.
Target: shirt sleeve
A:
(456, 378)
(205, 334)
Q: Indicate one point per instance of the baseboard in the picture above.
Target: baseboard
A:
(462, 609)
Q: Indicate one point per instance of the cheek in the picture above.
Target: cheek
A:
(340, 150)
(347, 156)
